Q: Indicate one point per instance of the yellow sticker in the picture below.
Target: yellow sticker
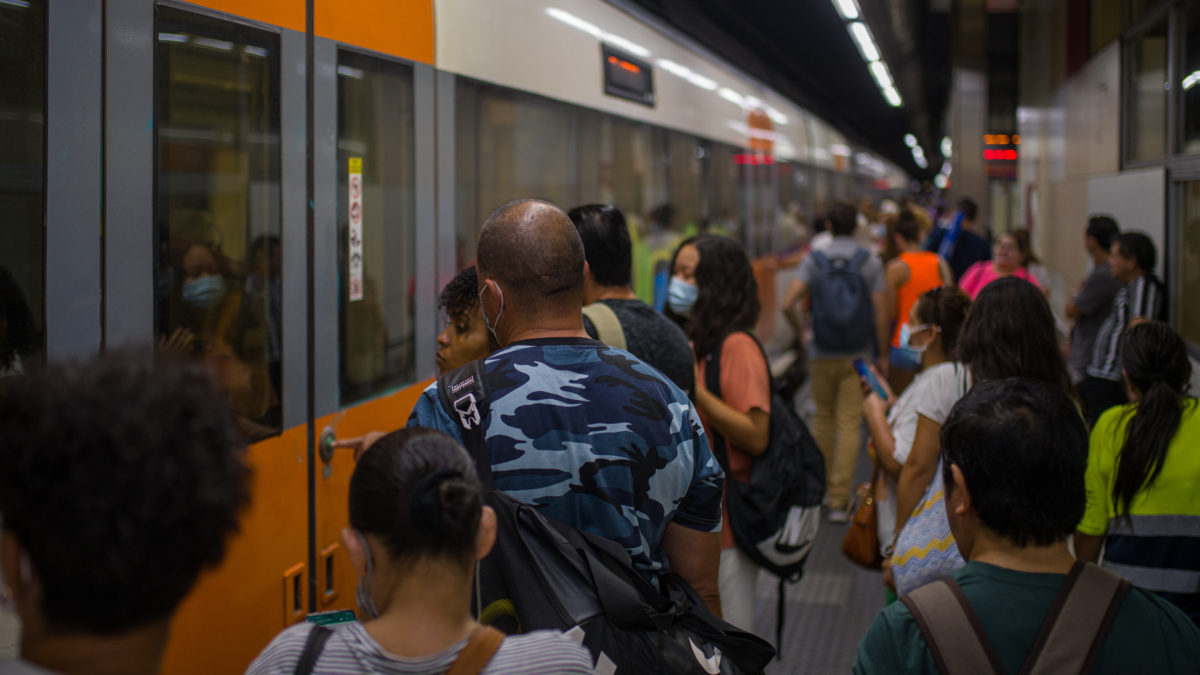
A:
(356, 165)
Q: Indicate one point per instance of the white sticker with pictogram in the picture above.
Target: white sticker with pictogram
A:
(355, 230)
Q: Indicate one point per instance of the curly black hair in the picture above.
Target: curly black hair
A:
(461, 294)
(122, 478)
(20, 336)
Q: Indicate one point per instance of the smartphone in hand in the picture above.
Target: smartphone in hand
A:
(869, 376)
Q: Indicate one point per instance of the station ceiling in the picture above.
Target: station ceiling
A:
(802, 49)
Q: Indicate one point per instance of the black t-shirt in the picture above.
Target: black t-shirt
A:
(968, 250)
(655, 339)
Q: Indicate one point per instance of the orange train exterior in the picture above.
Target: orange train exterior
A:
(236, 609)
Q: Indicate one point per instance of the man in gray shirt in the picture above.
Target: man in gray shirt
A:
(835, 383)
(1091, 303)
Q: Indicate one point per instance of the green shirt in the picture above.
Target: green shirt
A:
(1149, 634)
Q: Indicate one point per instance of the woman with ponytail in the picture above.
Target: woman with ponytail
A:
(418, 526)
(1143, 474)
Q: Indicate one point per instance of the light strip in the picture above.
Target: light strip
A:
(15, 3)
(883, 78)
(847, 8)
(172, 37)
(615, 40)
(910, 140)
(1191, 80)
(732, 96)
(347, 71)
(893, 97)
(687, 74)
(219, 45)
(866, 45)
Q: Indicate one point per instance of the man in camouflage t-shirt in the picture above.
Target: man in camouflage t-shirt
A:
(590, 434)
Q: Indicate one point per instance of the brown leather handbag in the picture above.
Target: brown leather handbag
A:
(861, 543)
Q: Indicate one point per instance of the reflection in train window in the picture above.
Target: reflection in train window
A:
(22, 134)
(217, 290)
(1146, 57)
(1188, 304)
(376, 225)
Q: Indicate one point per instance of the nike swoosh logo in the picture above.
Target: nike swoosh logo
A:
(712, 666)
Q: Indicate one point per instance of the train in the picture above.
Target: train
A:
(282, 187)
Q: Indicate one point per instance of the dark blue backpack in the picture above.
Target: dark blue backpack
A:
(843, 317)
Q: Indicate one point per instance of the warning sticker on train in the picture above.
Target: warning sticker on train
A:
(354, 233)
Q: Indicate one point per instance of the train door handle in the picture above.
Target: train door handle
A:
(326, 578)
(294, 606)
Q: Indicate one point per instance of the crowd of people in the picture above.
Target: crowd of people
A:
(1036, 500)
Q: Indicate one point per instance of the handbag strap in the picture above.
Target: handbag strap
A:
(952, 630)
(607, 324)
(313, 646)
(480, 649)
(1078, 622)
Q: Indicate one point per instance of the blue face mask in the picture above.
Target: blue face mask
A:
(906, 337)
(363, 592)
(204, 292)
(681, 296)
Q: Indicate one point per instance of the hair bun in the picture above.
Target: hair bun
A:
(425, 503)
(459, 505)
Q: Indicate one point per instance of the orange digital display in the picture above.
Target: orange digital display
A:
(627, 76)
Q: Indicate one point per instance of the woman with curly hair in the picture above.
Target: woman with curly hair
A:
(714, 297)
(466, 337)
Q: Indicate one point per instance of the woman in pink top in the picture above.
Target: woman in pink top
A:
(1007, 256)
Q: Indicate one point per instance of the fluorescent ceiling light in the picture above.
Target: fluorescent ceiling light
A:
(921, 162)
(910, 140)
(941, 181)
(732, 96)
(847, 8)
(917, 151)
(347, 71)
(1191, 80)
(947, 148)
(594, 30)
(687, 74)
(172, 37)
(839, 149)
(776, 116)
(219, 45)
(866, 45)
(893, 97)
(946, 168)
(883, 78)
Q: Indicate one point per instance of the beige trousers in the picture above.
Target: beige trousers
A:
(837, 393)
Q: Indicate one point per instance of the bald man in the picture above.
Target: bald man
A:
(590, 434)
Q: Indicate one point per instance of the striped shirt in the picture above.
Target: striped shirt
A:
(352, 650)
(1140, 297)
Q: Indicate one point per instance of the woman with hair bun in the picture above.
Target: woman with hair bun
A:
(1144, 472)
(418, 527)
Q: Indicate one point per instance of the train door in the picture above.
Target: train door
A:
(311, 299)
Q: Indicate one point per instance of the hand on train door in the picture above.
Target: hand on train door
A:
(360, 444)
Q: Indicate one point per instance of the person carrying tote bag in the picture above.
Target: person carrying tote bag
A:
(1010, 332)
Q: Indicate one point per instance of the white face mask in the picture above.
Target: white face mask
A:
(486, 320)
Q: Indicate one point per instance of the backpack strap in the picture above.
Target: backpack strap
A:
(313, 646)
(465, 396)
(608, 326)
(1078, 622)
(860, 258)
(952, 630)
(820, 260)
(480, 649)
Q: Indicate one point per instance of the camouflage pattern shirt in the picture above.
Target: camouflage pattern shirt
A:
(595, 438)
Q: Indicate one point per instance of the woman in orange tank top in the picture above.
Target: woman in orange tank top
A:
(909, 275)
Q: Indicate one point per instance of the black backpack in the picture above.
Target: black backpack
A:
(843, 316)
(544, 574)
(775, 517)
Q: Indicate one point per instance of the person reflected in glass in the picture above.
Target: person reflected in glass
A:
(19, 334)
(467, 337)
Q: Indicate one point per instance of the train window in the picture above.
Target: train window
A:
(376, 225)
(1190, 81)
(217, 292)
(1188, 303)
(685, 172)
(22, 187)
(723, 189)
(1147, 106)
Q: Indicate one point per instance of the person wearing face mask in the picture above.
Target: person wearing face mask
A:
(1008, 260)
(931, 331)
(418, 528)
(714, 297)
(466, 338)
(591, 434)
